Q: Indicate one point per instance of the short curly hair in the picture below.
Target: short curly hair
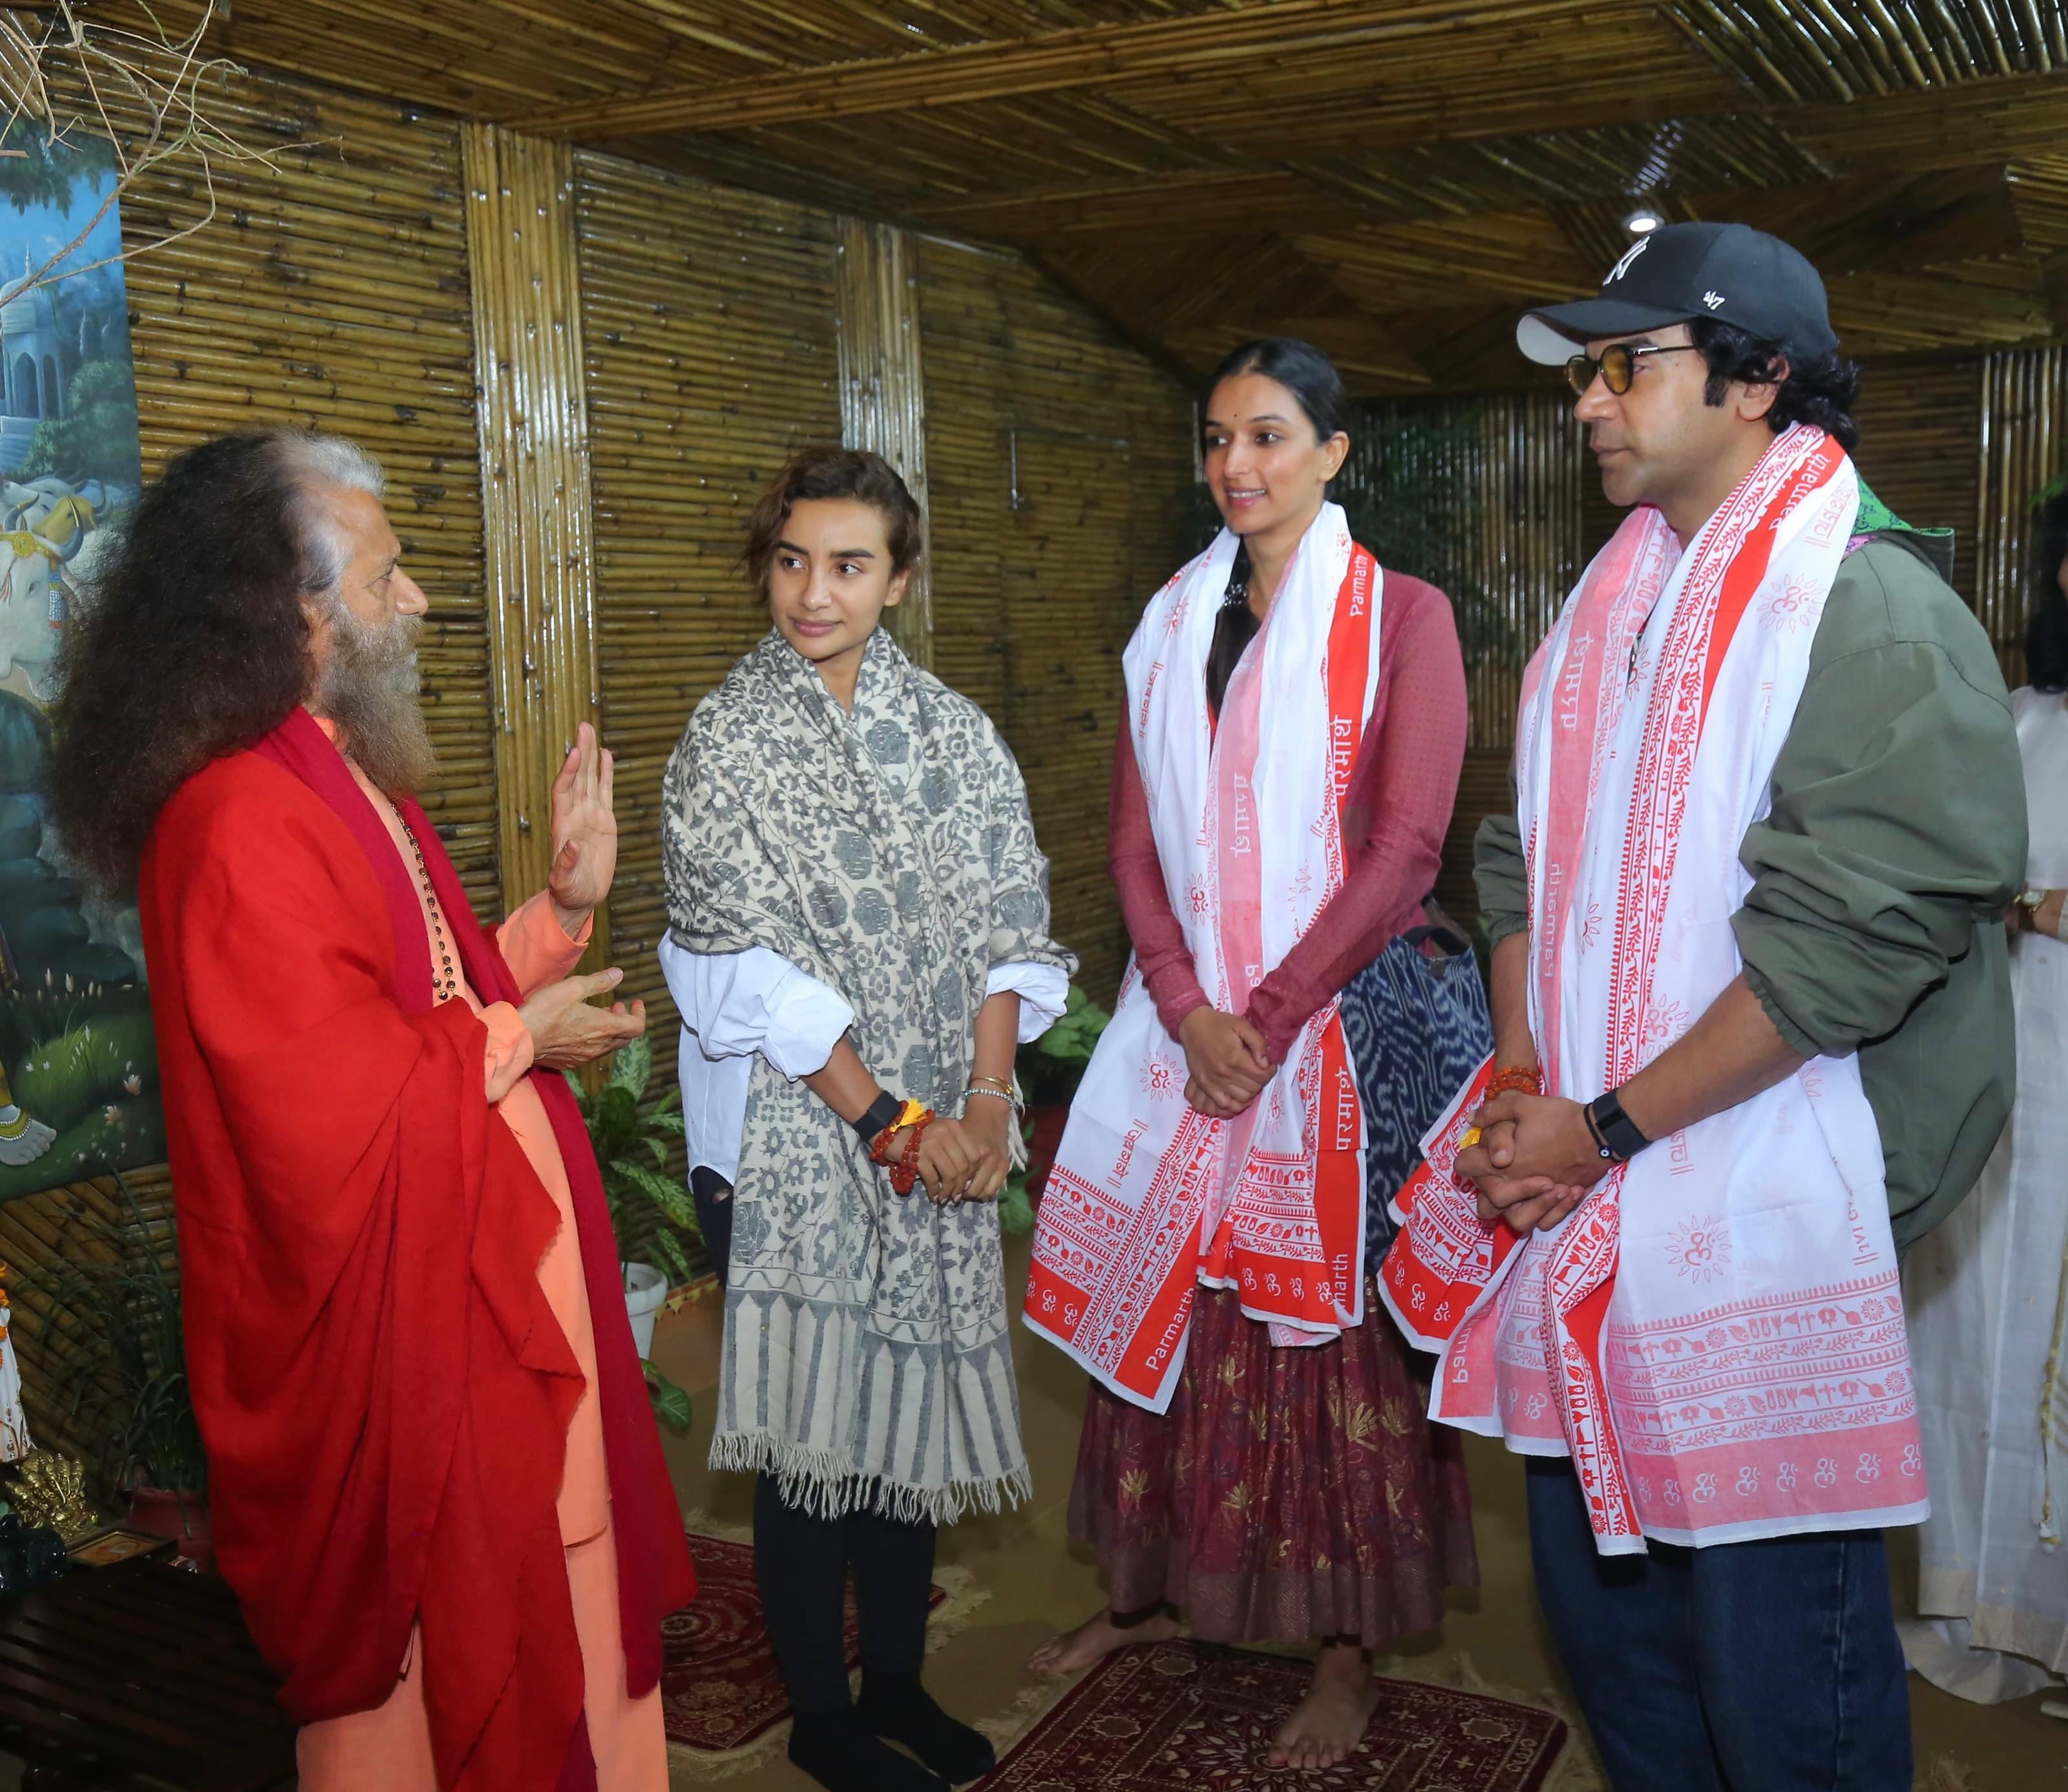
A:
(826, 472)
(1819, 389)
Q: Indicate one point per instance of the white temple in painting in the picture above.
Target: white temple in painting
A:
(32, 366)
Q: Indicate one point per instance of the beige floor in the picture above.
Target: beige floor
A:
(1038, 1584)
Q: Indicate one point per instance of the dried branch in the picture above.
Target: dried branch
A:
(153, 81)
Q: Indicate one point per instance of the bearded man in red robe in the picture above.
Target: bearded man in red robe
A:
(435, 1481)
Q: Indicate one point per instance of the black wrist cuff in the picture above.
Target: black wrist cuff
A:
(1619, 1138)
(882, 1112)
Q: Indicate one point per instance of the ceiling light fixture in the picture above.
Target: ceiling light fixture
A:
(1642, 221)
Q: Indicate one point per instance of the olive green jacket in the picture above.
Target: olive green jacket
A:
(1880, 873)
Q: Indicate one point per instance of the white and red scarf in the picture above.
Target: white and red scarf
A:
(1149, 1197)
(1716, 1335)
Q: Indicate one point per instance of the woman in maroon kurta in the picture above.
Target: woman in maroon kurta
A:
(1293, 1493)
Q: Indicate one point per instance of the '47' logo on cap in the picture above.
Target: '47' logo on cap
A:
(1713, 299)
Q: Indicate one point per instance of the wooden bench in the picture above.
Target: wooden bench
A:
(139, 1669)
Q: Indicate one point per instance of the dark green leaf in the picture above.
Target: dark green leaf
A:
(1016, 1212)
(665, 1192)
(671, 1405)
(674, 1260)
(631, 1067)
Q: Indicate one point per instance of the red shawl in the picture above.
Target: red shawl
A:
(382, 1385)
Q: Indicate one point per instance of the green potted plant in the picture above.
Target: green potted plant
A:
(651, 1212)
(108, 1346)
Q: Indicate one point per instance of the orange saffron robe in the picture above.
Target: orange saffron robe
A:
(389, 1747)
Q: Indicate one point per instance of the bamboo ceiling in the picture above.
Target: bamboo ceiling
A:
(1394, 177)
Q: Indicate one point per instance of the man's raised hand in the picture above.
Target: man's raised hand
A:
(585, 831)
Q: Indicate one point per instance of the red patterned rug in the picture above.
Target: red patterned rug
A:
(1164, 1717)
(719, 1687)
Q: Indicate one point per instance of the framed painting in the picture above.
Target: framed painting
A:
(78, 1075)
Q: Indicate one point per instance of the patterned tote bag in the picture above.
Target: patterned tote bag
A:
(1415, 1019)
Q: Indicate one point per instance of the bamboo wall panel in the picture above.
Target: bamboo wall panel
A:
(1060, 462)
(709, 324)
(1487, 495)
(883, 387)
(1920, 448)
(1598, 518)
(1482, 787)
(334, 294)
(2024, 447)
(534, 426)
(1530, 547)
(33, 1231)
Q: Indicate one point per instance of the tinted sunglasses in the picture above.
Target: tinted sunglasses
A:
(1617, 365)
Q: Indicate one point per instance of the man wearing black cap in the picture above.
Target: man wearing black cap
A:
(1753, 1034)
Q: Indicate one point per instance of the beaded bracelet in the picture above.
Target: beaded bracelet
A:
(914, 1119)
(905, 1173)
(1516, 1081)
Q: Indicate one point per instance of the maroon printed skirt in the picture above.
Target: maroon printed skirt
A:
(1289, 1494)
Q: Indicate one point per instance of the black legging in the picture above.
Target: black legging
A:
(713, 1196)
(801, 1562)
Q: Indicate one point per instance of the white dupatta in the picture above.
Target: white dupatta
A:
(1716, 1335)
(1148, 1196)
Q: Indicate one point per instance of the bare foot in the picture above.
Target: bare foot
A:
(1096, 1638)
(1331, 1719)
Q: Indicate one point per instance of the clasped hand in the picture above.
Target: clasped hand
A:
(1226, 1062)
(967, 1159)
(1535, 1161)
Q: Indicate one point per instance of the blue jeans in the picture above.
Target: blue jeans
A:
(1771, 1666)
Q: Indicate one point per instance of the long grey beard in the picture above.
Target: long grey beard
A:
(369, 691)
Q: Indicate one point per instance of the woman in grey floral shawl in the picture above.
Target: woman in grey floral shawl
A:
(856, 901)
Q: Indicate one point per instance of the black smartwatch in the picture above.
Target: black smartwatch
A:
(1616, 1135)
(882, 1112)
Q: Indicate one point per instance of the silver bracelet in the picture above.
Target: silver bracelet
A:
(996, 1094)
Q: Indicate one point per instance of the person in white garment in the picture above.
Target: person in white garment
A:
(857, 905)
(737, 1006)
(1988, 1290)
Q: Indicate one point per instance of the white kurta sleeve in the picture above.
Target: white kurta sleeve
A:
(1044, 990)
(740, 1002)
(733, 1006)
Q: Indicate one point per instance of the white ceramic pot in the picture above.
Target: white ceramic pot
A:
(645, 1287)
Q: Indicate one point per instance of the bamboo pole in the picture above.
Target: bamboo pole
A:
(2023, 440)
(882, 389)
(532, 416)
